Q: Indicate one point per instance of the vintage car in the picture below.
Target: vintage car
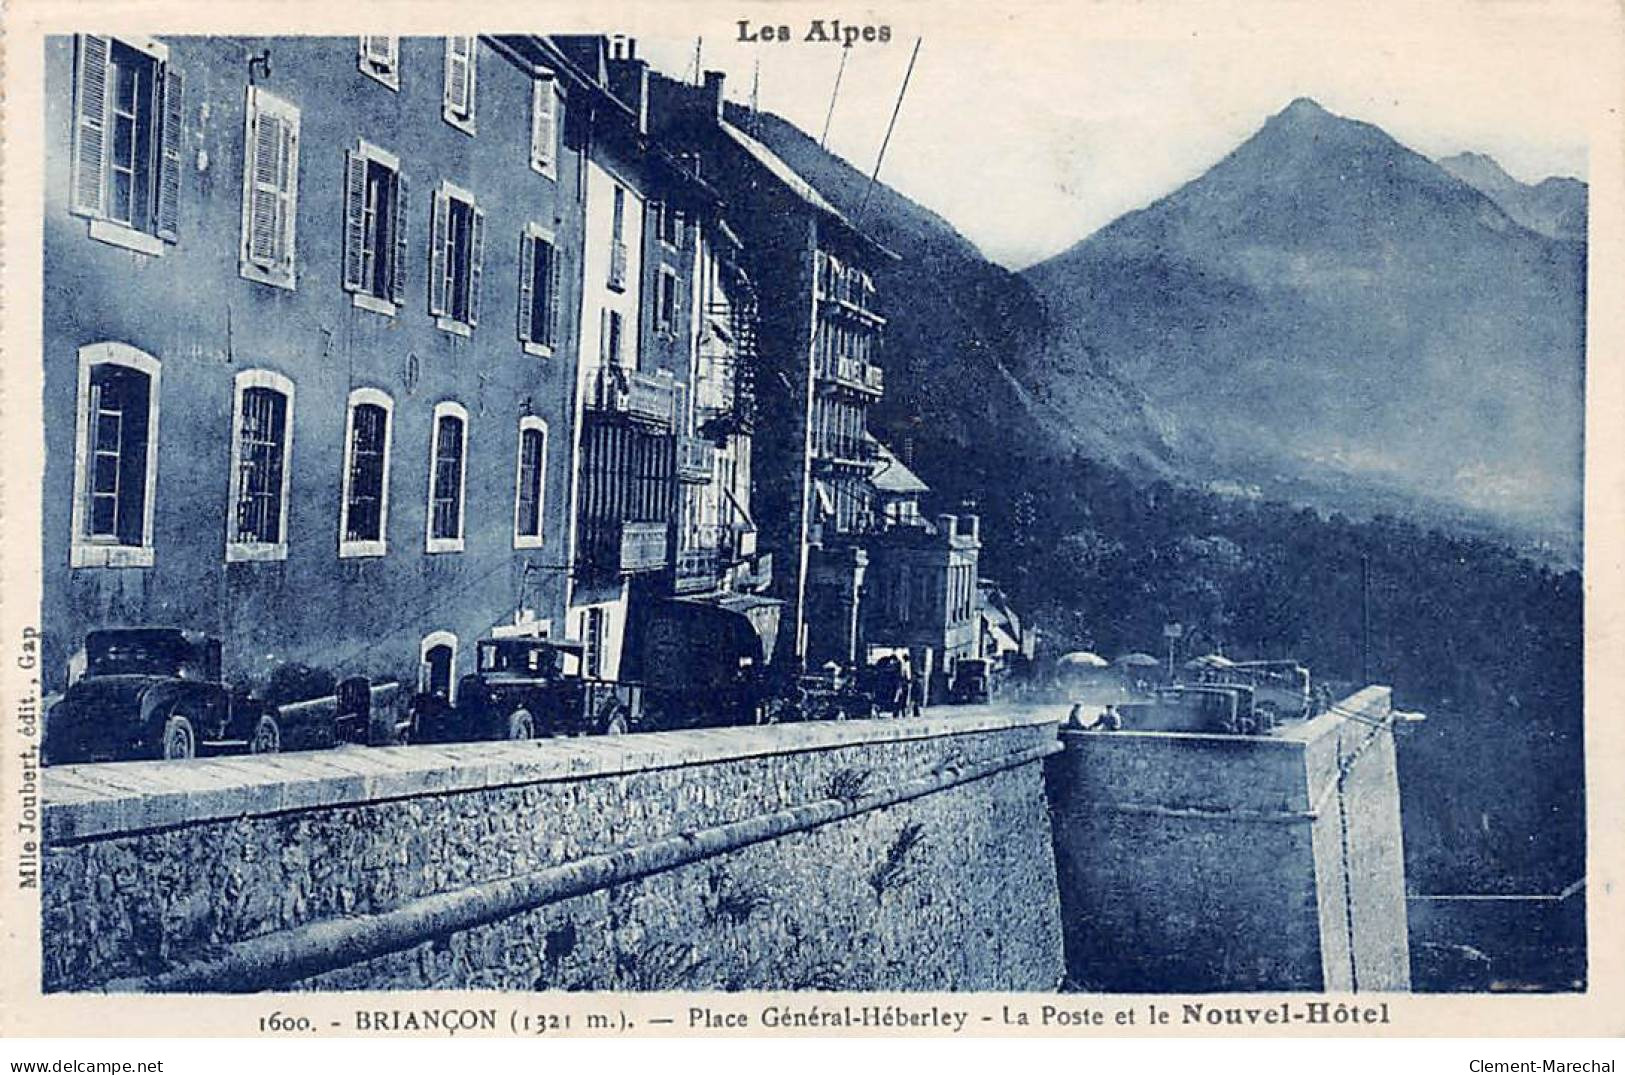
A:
(523, 688)
(1227, 709)
(972, 682)
(157, 692)
(1281, 688)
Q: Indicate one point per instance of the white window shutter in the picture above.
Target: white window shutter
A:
(355, 230)
(544, 124)
(440, 227)
(459, 97)
(552, 296)
(397, 272)
(173, 98)
(90, 125)
(527, 285)
(264, 152)
(476, 259)
(289, 193)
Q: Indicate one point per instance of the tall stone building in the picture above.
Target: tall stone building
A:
(820, 333)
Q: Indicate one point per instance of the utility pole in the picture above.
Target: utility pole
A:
(1365, 619)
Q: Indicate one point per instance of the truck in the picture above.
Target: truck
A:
(1214, 709)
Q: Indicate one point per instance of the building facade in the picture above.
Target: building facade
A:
(310, 316)
(819, 331)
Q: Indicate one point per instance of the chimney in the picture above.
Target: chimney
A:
(629, 82)
(947, 524)
(713, 93)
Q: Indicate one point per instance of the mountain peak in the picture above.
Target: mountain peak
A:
(1302, 108)
(1478, 170)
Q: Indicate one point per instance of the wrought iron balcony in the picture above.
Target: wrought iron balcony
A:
(698, 570)
(694, 459)
(642, 396)
(854, 373)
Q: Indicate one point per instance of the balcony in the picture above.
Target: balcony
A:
(854, 373)
(845, 451)
(617, 265)
(641, 396)
(624, 548)
(698, 570)
(694, 459)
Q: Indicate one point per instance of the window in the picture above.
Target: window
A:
(544, 125)
(538, 290)
(115, 457)
(261, 441)
(669, 224)
(462, 71)
(437, 665)
(364, 507)
(529, 495)
(592, 658)
(666, 302)
(617, 245)
(127, 130)
(374, 229)
(270, 189)
(611, 338)
(447, 458)
(456, 251)
(381, 59)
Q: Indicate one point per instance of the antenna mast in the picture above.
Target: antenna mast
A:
(836, 92)
(881, 156)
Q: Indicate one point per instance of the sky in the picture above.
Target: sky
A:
(1029, 131)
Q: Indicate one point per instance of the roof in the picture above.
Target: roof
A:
(892, 477)
(793, 181)
(782, 172)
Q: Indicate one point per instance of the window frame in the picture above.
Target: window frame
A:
(262, 101)
(356, 548)
(447, 408)
(237, 550)
(83, 552)
(387, 75)
(530, 423)
(443, 290)
(362, 295)
(544, 160)
(666, 320)
(464, 120)
(431, 641)
(533, 234)
(164, 143)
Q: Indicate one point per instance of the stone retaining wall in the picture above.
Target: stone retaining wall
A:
(908, 854)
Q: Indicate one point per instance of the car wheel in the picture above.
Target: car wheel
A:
(617, 723)
(267, 737)
(521, 725)
(180, 740)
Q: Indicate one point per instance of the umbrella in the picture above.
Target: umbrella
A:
(1082, 659)
(1210, 660)
(1138, 660)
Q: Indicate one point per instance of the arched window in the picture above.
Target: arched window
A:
(115, 457)
(530, 484)
(437, 665)
(448, 464)
(261, 445)
(364, 509)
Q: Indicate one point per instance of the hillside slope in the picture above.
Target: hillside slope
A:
(1326, 310)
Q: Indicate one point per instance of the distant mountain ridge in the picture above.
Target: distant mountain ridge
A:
(961, 332)
(1556, 207)
(1325, 309)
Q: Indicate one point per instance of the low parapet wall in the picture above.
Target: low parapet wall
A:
(909, 854)
(1197, 863)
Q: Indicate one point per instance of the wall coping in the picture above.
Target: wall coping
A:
(82, 801)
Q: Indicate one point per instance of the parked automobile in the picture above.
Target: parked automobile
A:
(973, 681)
(1226, 709)
(523, 688)
(1281, 688)
(157, 692)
